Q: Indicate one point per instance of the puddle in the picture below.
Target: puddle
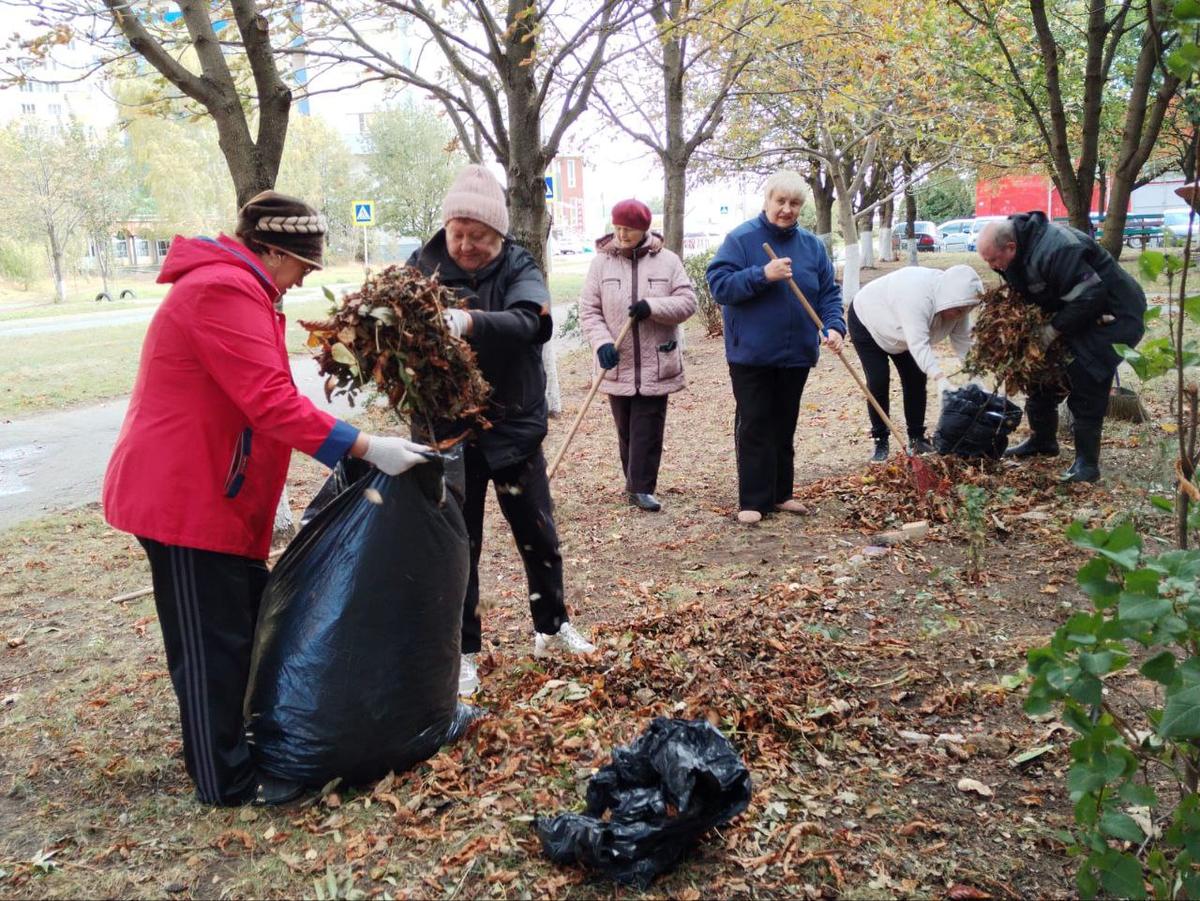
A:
(11, 470)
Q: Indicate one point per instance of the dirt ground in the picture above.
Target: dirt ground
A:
(860, 684)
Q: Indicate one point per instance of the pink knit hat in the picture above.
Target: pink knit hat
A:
(476, 195)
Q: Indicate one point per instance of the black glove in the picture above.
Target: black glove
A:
(608, 356)
(639, 310)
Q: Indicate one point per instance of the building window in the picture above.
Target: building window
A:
(163, 245)
(28, 109)
(54, 109)
(120, 248)
(27, 87)
(570, 173)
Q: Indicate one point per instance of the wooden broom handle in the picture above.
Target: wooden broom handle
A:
(587, 403)
(857, 378)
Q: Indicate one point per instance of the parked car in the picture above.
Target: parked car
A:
(1175, 225)
(954, 234)
(977, 226)
(926, 234)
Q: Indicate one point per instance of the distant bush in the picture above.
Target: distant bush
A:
(710, 313)
(20, 262)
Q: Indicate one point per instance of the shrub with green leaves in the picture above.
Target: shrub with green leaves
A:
(20, 262)
(1135, 767)
(710, 313)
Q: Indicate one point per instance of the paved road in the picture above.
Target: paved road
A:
(56, 461)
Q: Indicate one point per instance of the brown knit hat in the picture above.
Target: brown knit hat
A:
(284, 223)
(476, 195)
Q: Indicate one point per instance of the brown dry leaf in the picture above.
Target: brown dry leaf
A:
(232, 836)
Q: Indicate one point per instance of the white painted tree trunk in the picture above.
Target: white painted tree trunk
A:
(866, 245)
(885, 245)
(850, 272)
(550, 362)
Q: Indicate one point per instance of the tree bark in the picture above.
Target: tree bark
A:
(1143, 123)
(253, 165)
(674, 159)
(886, 212)
(822, 188)
(674, 194)
(57, 266)
(910, 205)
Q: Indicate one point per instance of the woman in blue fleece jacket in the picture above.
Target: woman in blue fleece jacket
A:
(770, 341)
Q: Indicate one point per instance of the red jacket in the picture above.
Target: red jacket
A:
(204, 449)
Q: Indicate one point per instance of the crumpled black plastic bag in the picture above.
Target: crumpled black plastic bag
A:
(677, 780)
(975, 423)
(355, 665)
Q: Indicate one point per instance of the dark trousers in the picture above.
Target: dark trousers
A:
(207, 609)
(767, 407)
(1087, 400)
(524, 495)
(640, 424)
(874, 361)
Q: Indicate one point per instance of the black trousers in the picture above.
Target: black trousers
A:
(207, 609)
(767, 406)
(874, 361)
(1087, 400)
(524, 495)
(640, 424)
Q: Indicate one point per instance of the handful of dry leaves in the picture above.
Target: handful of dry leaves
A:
(1007, 345)
(390, 335)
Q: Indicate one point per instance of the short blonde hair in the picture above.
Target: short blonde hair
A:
(789, 184)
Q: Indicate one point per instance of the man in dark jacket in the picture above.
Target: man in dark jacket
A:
(1093, 304)
(505, 325)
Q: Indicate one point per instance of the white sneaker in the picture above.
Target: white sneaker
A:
(568, 639)
(468, 676)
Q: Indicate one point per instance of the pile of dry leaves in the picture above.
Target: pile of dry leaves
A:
(884, 495)
(390, 335)
(1007, 345)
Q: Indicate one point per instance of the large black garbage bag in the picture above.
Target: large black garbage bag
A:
(356, 655)
(678, 779)
(975, 423)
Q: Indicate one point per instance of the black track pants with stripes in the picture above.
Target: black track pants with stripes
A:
(207, 608)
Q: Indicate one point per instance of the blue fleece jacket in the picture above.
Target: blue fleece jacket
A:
(765, 325)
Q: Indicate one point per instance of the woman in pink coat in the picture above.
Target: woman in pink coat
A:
(633, 275)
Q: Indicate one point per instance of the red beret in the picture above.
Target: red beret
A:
(632, 214)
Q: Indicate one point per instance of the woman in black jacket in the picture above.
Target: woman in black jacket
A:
(505, 325)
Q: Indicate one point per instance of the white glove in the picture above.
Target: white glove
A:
(394, 455)
(458, 321)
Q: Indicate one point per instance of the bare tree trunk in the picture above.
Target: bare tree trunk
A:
(886, 212)
(674, 156)
(674, 195)
(1143, 123)
(910, 206)
(823, 194)
(57, 267)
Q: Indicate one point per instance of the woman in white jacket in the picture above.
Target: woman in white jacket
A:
(900, 317)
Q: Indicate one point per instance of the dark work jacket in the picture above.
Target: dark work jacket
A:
(1076, 281)
(506, 298)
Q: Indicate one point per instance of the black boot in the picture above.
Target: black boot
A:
(647, 502)
(274, 791)
(1043, 421)
(881, 450)
(1086, 467)
(920, 445)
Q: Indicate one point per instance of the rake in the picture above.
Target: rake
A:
(923, 477)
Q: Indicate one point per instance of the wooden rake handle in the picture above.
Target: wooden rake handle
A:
(849, 368)
(587, 403)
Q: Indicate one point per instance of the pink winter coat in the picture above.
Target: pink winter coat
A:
(651, 360)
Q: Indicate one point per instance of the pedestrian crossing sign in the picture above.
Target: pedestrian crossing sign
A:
(364, 212)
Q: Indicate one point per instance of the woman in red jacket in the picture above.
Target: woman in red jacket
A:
(200, 463)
